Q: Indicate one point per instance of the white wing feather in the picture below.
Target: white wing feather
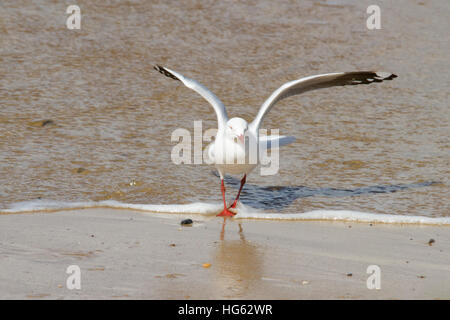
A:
(218, 106)
(317, 82)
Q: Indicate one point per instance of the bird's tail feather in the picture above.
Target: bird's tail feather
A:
(269, 142)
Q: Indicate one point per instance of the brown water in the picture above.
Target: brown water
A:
(112, 115)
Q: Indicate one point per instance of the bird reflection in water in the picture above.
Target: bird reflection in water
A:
(238, 262)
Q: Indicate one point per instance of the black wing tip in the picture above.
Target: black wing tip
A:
(385, 76)
(368, 77)
(165, 72)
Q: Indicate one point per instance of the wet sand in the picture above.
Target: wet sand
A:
(125, 254)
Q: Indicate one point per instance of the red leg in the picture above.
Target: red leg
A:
(239, 193)
(225, 212)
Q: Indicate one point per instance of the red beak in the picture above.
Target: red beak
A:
(241, 138)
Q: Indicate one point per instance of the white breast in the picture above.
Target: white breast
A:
(231, 157)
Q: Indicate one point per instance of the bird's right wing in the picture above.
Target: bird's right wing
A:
(317, 82)
(218, 106)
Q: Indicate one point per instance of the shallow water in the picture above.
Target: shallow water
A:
(382, 148)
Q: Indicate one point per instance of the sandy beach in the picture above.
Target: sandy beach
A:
(126, 254)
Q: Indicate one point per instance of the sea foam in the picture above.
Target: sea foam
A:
(211, 209)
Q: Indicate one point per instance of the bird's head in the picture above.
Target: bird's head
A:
(236, 129)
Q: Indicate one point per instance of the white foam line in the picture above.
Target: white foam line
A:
(45, 205)
(344, 215)
(191, 208)
(244, 212)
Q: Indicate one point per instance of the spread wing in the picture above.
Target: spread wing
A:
(317, 82)
(218, 106)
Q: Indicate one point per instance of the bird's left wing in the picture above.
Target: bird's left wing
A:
(218, 106)
(317, 82)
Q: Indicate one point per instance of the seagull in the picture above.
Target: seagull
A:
(230, 151)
